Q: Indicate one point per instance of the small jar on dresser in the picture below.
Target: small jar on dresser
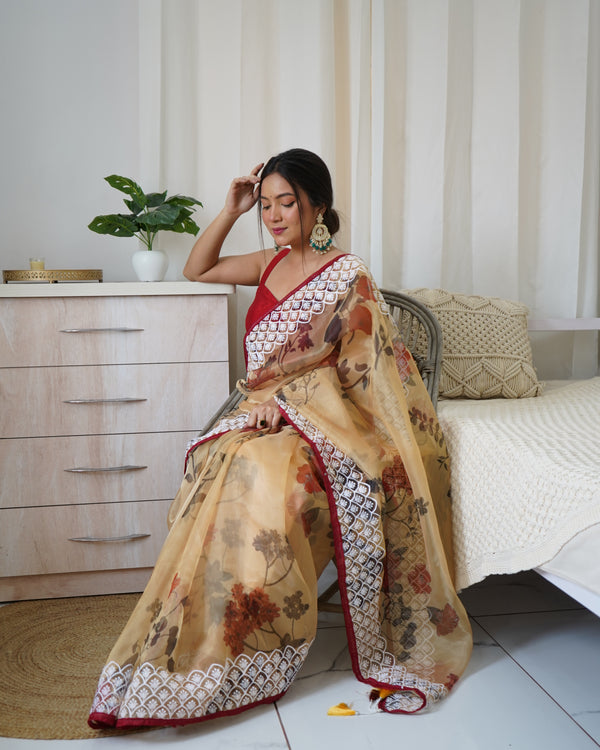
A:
(101, 388)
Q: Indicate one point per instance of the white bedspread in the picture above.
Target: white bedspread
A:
(525, 477)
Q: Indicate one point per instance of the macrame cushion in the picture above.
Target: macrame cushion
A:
(486, 348)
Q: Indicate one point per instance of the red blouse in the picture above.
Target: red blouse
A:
(264, 300)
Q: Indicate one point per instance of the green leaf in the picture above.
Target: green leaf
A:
(125, 185)
(155, 199)
(186, 225)
(159, 218)
(134, 206)
(117, 225)
(183, 200)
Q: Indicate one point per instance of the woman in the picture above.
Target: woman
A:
(334, 453)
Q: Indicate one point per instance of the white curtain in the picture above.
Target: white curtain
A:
(463, 135)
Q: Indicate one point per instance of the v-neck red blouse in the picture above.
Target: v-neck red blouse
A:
(265, 300)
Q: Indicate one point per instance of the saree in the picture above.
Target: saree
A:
(358, 473)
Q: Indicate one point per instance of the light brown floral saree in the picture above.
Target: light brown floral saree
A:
(359, 471)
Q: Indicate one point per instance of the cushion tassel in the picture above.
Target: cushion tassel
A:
(380, 694)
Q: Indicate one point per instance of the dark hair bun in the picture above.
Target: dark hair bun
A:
(332, 220)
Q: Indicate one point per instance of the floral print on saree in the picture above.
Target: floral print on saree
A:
(359, 472)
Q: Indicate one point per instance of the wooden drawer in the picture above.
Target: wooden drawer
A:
(109, 468)
(36, 541)
(168, 397)
(112, 330)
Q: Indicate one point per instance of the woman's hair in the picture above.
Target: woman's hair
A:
(308, 172)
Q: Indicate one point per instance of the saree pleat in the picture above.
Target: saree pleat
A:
(359, 471)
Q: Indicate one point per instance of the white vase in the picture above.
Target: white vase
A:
(150, 265)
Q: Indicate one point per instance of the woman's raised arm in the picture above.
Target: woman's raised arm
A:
(204, 263)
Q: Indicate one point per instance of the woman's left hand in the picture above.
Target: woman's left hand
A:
(265, 416)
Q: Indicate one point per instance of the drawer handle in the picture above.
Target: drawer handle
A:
(100, 330)
(91, 470)
(126, 400)
(101, 539)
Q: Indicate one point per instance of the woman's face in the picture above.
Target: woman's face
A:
(281, 212)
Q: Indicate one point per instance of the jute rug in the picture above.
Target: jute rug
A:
(51, 655)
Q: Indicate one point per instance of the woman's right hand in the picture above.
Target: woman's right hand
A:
(243, 192)
(265, 416)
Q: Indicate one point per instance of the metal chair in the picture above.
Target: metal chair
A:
(422, 336)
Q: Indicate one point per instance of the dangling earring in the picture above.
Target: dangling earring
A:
(277, 248)
(320, 239)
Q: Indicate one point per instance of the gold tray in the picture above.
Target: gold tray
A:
(83, 274)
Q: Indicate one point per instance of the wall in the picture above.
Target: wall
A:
(184, 93)
(69, 93)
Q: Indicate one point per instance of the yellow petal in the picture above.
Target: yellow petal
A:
(342, 709)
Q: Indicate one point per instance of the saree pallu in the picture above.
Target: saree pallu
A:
(359, 473)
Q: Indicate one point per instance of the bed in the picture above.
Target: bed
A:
(526, 486)
(525, 455)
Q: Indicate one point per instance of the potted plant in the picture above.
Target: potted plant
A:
(150, 213)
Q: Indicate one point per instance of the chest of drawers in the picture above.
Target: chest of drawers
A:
(101, 388)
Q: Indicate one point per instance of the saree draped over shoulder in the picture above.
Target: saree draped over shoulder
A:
(359, 473)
